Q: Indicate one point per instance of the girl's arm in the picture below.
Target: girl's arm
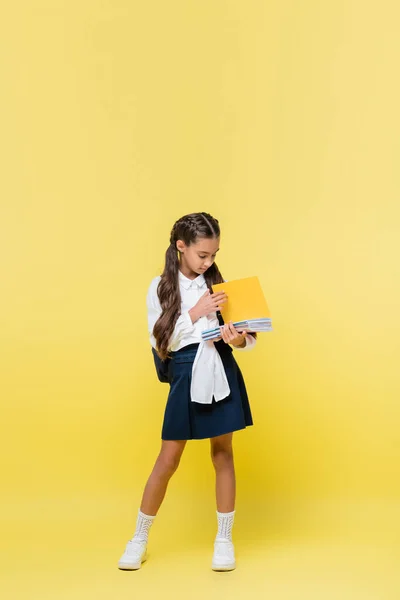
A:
(250, 343)
(236, 339)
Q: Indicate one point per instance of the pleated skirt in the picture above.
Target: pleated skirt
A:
(187, 420)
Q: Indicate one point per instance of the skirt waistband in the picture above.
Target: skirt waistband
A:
(188, 348)
(220, 346)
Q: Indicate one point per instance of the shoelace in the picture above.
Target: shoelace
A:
(224, 548)
(135, 546)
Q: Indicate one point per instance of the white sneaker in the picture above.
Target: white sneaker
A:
(135, 553)
(224, 556)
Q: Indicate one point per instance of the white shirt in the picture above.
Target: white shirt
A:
(208, 373)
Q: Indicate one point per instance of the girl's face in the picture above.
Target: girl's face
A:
(199, 256)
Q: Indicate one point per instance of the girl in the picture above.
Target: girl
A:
(207, 397)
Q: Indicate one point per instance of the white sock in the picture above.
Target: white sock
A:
(225, 524)
(143, 524)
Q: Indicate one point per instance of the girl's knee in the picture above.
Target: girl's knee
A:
(222, 456)
(168, 463)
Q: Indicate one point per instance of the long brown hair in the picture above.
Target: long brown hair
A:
(188, 229)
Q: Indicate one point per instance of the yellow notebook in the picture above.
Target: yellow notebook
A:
(245, 300)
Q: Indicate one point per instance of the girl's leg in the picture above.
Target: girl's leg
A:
(165, 466)
(222, 457)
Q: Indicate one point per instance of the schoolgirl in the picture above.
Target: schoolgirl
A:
(207, 396)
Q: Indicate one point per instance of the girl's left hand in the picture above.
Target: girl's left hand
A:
(231, 336)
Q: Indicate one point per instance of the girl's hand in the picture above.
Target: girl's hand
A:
(231, 336)
(207, 304)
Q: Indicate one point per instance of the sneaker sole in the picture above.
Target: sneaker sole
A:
(230, 567)
(131, 566)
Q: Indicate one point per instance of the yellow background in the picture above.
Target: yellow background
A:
(282, 120)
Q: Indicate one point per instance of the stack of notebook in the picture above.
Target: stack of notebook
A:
(246, 307)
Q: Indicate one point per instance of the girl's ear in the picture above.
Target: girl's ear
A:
(180, 245)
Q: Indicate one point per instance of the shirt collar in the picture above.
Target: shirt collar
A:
(185, 282)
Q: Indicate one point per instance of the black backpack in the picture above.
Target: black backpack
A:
(161, 367)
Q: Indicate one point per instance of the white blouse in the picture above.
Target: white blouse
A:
(208, 373)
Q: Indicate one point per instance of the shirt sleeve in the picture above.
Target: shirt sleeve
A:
(250, 343)
(183, 325)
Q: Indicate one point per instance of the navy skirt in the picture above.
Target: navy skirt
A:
(187, 420)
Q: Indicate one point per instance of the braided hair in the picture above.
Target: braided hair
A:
(188, 229)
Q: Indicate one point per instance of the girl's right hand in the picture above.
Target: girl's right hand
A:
(207, 304)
